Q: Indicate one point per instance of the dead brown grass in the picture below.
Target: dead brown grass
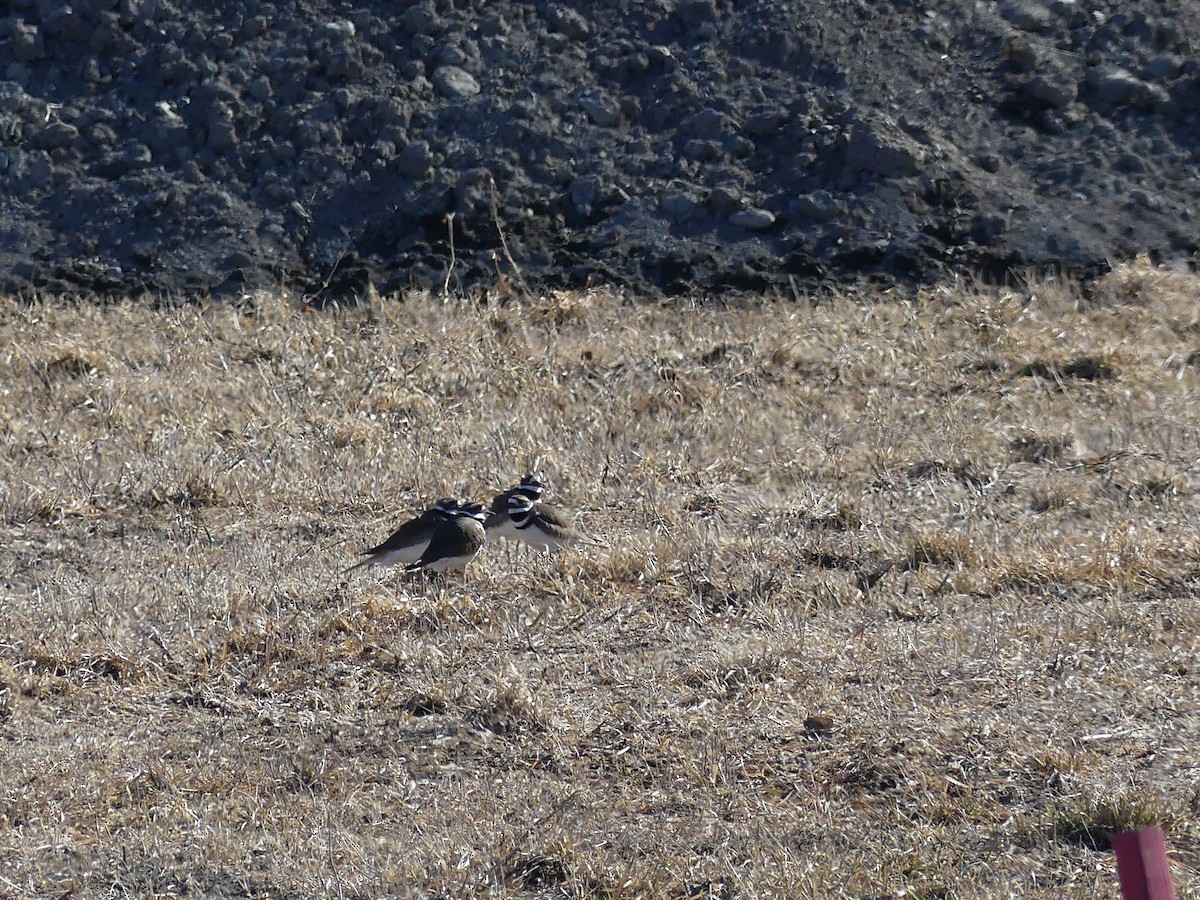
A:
(897, 597)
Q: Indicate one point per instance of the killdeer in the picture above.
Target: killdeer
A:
(455, 542)
(498, 523)
(409, 541)
(539, 526)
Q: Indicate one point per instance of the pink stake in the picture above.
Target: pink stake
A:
(1142, 865)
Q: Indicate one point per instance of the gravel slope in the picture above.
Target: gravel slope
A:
(669, 145)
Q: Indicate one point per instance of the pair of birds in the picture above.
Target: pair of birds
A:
(450, 534)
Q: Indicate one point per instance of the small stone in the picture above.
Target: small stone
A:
(1020, 54)
(338, 30)
(819, 206)
(753, 219)
(393, 111)
(13, 99)
(661, 55)
(680, 204)
(601, 110)
(25, 42)
(1064, 9)
(987, 229)
(411, 68)
(583, 194)
(64, 22)
(57, 135)
(739, 146)
(455, 83)
(38, 170)
(872, 149)
(701, 150)
(279, 191)
(493, 25)
(1027, 15)
(1131, 162)
(136, 155)
(416, 160)
(695, 12)
(451, 55)
(420, 18)
(1148, 200)
(254, 26)
(764, 124)
(1163, 67)
(260, 88)
(222, 136)
(1115, 86)
(90, 70)
(167, 112)
(707, 124)
(569, 23)
(724, 201)
(989, 162)
(934, 35)
(1054, 93)
(102, 135)
(19, 73)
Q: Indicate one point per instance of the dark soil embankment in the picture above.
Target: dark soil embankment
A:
(670, 145)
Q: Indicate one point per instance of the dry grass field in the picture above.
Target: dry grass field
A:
(897, 596)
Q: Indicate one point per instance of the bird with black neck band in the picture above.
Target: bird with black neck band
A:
(408, 542)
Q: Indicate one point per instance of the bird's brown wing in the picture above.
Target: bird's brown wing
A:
(411, 532)
(457, 537)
